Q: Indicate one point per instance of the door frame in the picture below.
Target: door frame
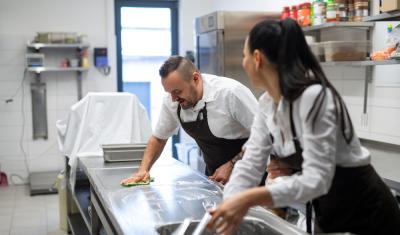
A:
(171, 4)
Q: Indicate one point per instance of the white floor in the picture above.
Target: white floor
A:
(21, 214)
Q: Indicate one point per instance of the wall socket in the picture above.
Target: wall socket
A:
(364, 122)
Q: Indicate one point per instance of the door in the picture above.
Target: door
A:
(146, 36)
(210, 49)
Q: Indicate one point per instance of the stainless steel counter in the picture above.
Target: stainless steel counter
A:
(177, 192)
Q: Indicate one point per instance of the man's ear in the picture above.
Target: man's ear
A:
(196, 76)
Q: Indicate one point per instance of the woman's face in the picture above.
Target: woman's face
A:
(249, 65)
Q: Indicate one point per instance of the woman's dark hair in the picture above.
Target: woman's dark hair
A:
(284, 44)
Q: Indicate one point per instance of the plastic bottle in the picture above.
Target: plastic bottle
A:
(62, 197)
(85, 59)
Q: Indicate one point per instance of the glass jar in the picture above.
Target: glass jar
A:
(343, 12)
(350, 10)
(293, 12)
(285, 13)
(319, 8)
(332, 13)
(304, 14)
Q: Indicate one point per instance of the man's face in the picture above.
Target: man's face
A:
(181, 90)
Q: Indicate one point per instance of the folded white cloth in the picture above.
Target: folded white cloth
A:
(101, 118)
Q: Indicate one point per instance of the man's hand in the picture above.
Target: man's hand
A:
(223, 173)
(137, 177)
(277, 168)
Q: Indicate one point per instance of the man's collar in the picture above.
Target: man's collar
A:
(208, 93)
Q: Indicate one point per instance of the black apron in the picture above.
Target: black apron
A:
(216, 151)
(358, 201)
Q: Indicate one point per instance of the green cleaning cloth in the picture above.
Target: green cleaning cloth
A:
(147, 182)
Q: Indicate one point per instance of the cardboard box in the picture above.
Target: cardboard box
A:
(390, 5)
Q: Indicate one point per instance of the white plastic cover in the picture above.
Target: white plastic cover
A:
(101, 118)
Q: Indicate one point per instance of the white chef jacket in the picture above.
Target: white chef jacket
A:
(231, 108)
(323, 149)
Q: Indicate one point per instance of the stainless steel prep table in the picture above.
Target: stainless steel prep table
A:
(177, 192)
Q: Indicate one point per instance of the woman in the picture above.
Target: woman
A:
(303, 122)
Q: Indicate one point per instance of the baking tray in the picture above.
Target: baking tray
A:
(123, 152)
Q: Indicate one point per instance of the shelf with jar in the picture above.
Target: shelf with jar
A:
(321, 12)
(389, 11)
(386, 16)
(53, 52)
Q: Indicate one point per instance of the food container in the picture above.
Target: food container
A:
(123, 152)
(71, 38)
(345, 50)
(317, 50)
(74, 63)
(344, 34)
(42, 37)
(57, 37)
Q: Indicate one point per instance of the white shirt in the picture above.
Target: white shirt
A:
(231, 108)
(323, 149)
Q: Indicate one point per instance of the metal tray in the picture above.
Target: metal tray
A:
(123, 152)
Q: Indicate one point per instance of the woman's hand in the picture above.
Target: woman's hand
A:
(228, 215)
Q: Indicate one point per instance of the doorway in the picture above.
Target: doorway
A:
(146, 36)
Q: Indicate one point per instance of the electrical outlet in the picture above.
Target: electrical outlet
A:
(364, 122)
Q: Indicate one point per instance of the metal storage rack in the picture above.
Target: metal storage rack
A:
(76, 46)
(369, 65)
(338, 24)
(78, 202)
(388, 16)
(39, 109)
(39, 114)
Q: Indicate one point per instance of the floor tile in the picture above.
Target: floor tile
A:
(4, 232)
(23, 221)
(5, 222)
(22, 214)
(33, 230)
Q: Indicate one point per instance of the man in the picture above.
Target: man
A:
(217, 112)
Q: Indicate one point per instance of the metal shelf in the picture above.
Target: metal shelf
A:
(338, 24)
(388, 16)
(360, 63)
(77, 225)
(56, 69)
(81, 198)
(38, 46)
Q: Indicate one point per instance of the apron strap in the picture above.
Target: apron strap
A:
(309, 204)
(309, 217)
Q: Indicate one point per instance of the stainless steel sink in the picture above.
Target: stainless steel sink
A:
(248, 227)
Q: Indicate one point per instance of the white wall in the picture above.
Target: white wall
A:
(188, 11)
(19, 21)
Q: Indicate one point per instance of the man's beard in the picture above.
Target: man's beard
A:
(186, 104)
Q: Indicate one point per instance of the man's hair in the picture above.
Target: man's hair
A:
(178, 63)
